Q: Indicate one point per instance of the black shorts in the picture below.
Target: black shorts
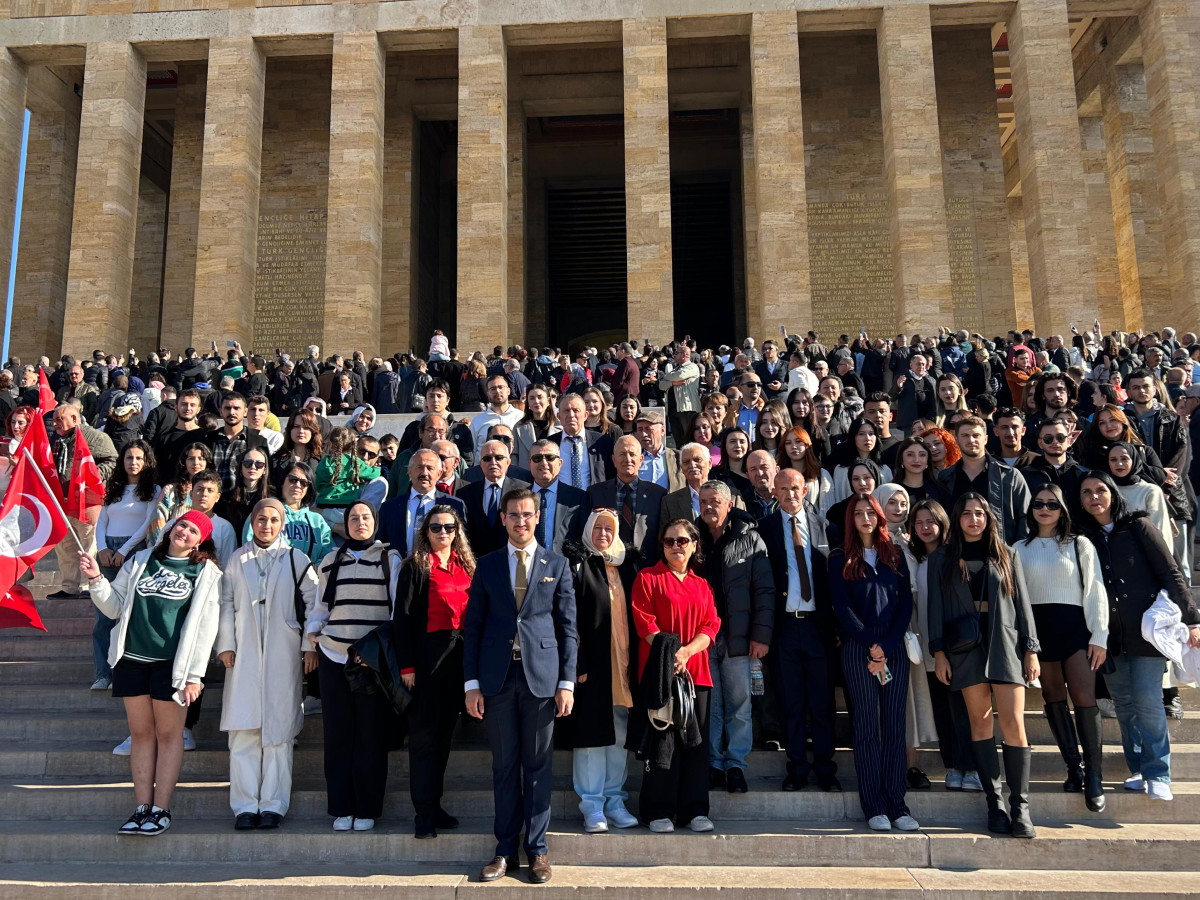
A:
(138, 679)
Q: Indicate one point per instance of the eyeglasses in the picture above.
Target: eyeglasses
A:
(367, 454)
(1052, 505)
(1054, 438)
(253, 464)
(442, 527)
(520, 516)
(544, 457)
(676, 541)
(493, 457)
(294, 479)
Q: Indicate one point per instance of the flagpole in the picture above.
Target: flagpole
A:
(57, 505)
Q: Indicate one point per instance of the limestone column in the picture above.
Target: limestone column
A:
(399, 273)
(354, 235)
(516, 226)
(183, 209)
(12, 125)
(650, 305)
(227, 234)
(912, 156)
(1053, 194)
(100, 273)
(1171, 57)
(746, 138)
(482, 320)
(780, 202)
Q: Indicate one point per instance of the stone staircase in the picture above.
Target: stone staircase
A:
(63, 793)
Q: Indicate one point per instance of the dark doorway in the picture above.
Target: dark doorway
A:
(434, 231)
(702, 259)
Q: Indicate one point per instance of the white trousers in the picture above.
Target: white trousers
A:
(599, 772)
(260, 778)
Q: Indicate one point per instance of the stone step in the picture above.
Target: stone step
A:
(317, 881)
(1149, 848)
(471, 797)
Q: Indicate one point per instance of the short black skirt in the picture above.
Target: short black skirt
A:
(139, 679)
(1061, 629)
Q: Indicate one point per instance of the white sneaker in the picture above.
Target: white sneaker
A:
(879, 823)
(101, 684)
(312, 706)
(1108, 709)
(189, 741)
(954, 780)
(1159, 790)
(701, 824)
(662, 826)
(364, 824)
(906, 823)
(971, 782)
(1135, 783)
(343, 823)
(595, 823)
(124, 748)
(621, 817)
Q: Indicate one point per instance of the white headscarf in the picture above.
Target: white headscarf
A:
(615, 554)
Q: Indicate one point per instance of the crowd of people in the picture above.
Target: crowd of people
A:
(676, 551)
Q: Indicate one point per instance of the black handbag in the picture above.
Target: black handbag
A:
(962, 635)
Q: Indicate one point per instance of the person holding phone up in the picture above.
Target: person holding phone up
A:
(872, 599)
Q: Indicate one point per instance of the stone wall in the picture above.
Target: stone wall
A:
(145, 299)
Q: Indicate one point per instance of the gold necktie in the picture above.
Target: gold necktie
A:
(520, 584)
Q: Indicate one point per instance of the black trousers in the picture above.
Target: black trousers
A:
(953, 725)
(432, 717)
(804, 670)
(356, 760)
(679, 793)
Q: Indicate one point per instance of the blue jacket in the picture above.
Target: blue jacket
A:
(546, 623)
(875, 609)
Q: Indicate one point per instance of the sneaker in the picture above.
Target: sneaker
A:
(343, 823)
(879, 823)
(364, 824)
(1159, 790)
(1174, 708)
(1135, 783)
(1108, 709)
(918, 780)
(906, 823)
(701, 824)
(621, 817)
(134, 823)
(124, 748)
(662, 826)
(954, 780)
(971, 782)
(189, 742)
(595, 823)
(101, 684)
(156, 822)
(312, 706)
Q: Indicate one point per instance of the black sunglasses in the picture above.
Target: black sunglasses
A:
(544, 457)
(1052, 505)
(367, 454)
(442, 527)
(1054, 438)
(295, 479)
(676, 541)
(253, 464)
(493, 457)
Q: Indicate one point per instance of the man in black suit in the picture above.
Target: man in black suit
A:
(401, 515)
(771, 371)
(519, 652)
(485, 524)
(803, 643)
(583, 465)
(559, 505)
(638, 503)
(502, 433)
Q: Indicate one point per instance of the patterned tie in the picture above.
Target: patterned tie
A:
(801, 563)
(519, 585)
(422, 512)
(539, 533)
(493, 503)
(627, 514)
(576, 463)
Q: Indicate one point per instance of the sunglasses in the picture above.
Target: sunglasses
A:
(676, 541)
(367, 454)
(293, 479)
(1054, 438)
(493, 457)
(1052, 505)
(253, 464)
(442, 527)
(544, 457)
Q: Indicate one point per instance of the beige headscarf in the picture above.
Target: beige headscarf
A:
(275, 504)
(615, 554)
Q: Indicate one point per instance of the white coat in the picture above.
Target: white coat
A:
(262, 690)
(1162, 626)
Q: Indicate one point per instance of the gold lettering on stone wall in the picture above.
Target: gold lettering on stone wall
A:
(849, 241)
(289, 288)
(964, 270)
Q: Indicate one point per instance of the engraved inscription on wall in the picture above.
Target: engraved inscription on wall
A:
(849, 241)
(289, 289)
(964, 271)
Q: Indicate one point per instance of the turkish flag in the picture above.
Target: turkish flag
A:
(18, 611)
(37, 442)
(29, 525)
(46, 401)
(87, 487)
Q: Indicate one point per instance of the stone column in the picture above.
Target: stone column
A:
(516, 226)
(746, 137)
(650, 305)
(183, 209)
(1018, 250)
(12, 125)
(912, 156)
(780, 202)
(227, 235)
(1171, 56)
(399, 273)
(1100, 229)
(1054, 198)
(482, 188)
(106, 188)
(354, 235)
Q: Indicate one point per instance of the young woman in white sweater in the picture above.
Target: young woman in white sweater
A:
(1070, 607)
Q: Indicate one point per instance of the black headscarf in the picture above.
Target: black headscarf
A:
(1135, 471)
(354, 543)
(870, 465)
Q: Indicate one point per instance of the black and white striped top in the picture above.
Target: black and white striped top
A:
(355, 596)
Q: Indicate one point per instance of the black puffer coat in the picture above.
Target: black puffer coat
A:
(738, 570)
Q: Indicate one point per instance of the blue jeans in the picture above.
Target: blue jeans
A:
(599, 772)
(1136, 688)
(729, 715)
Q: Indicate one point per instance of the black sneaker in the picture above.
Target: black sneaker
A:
(918, 780)
(134, 823)
(156, 822)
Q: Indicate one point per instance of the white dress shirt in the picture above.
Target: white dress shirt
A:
(795, 602)
(417, 503)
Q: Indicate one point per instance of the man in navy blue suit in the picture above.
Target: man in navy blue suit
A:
(400, 516)
(559, 504)
(519, 652)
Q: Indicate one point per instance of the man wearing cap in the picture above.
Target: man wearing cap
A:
(660, 464)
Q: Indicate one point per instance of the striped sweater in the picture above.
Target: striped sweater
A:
(355, 597)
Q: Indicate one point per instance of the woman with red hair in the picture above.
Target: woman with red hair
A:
(872, 599)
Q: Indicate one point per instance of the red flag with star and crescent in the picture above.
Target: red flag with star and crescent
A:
(30, 525)
(37, 442)
(87, 487)
(46, 401)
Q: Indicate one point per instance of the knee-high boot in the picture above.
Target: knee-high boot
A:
(1063, 729)
(1092, 740)
(987, 764)
(1016, 770)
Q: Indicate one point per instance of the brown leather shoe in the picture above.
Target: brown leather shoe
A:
(539, 870)
(499, 867)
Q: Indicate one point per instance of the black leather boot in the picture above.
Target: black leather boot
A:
(1092, 740)
(1063, 729)
(1016, 771)
(987, 764)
